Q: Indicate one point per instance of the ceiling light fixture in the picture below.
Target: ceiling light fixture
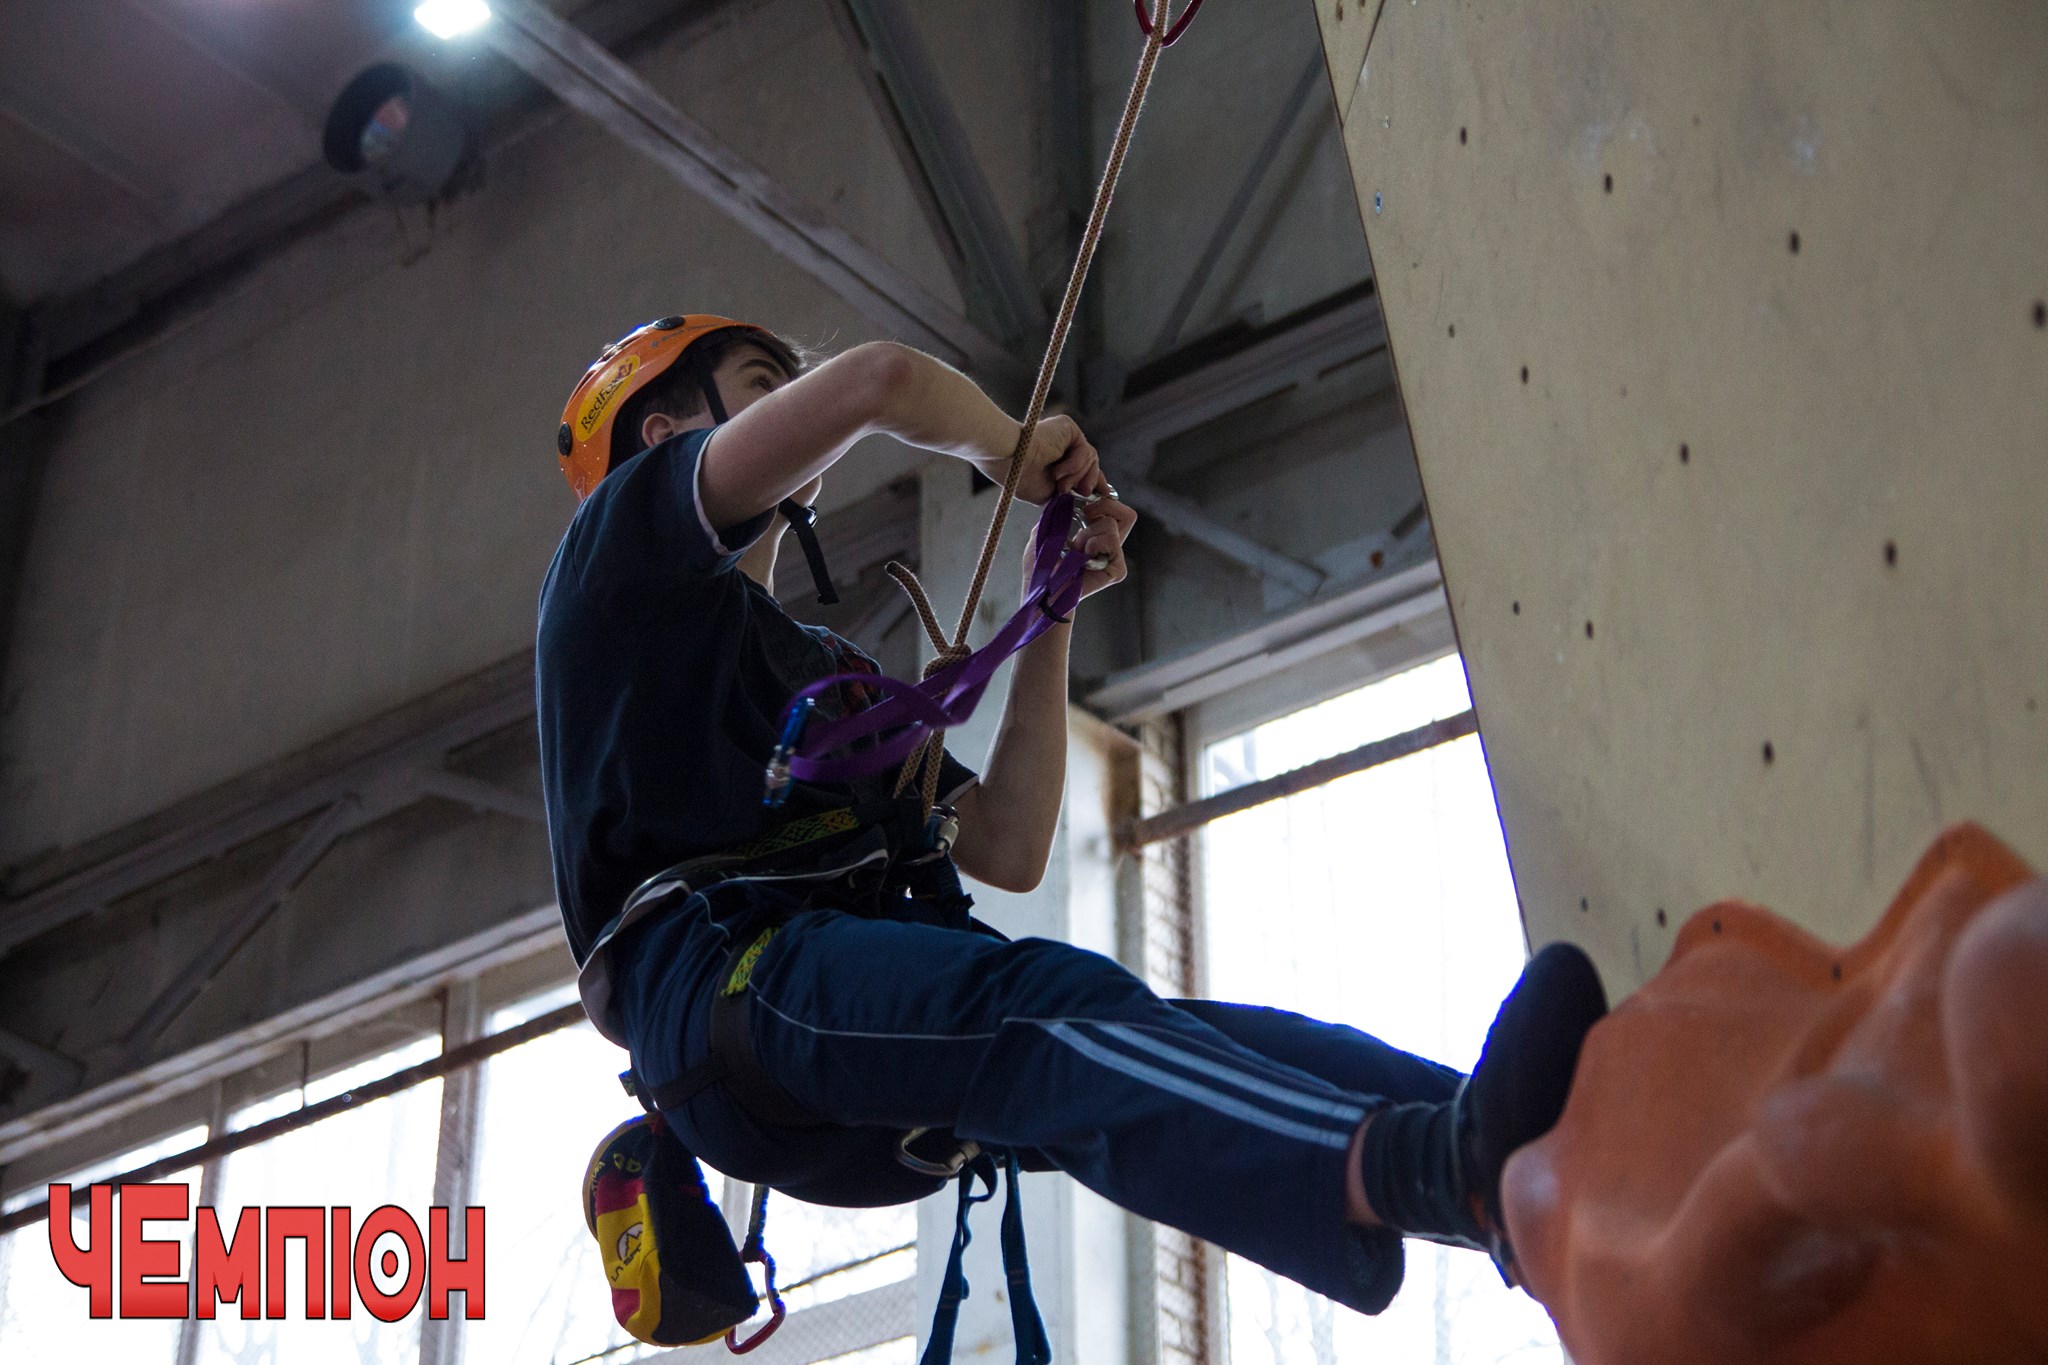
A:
(390, 124)
(452, 18)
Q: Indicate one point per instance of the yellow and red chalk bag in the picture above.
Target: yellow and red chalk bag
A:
(676, 1277)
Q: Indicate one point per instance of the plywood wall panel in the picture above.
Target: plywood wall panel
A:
(1721, 333)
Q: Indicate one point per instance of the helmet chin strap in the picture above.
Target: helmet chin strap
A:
(802, 520)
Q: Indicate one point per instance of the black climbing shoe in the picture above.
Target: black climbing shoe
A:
(1433, 1170)
(1517, 1092)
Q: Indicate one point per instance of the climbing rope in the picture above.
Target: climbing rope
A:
(946, 653)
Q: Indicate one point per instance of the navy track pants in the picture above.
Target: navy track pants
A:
(1231, 1122)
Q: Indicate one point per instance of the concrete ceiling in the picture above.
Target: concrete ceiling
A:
(128, 124)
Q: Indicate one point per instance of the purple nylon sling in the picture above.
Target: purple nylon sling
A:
(910, 712)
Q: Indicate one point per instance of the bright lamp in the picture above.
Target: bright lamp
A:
(452, 18)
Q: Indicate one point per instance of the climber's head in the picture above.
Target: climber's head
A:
(663, 378)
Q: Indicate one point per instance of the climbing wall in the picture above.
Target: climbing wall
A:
(1723, 335)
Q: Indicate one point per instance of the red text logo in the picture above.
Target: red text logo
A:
(248, 1264)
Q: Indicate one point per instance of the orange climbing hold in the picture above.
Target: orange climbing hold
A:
(1783, 1153)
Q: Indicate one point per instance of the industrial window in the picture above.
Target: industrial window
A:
(849, 1275)
(41, 1311)
(1383, 901)
(544, 1106)
(382, 1153)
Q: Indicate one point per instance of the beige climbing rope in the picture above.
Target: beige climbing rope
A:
(929, 754)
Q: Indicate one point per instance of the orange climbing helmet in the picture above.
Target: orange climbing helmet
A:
(628, 365)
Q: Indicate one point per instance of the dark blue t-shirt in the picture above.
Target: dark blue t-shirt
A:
(661, 674)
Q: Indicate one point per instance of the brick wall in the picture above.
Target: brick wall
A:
(1171, 957)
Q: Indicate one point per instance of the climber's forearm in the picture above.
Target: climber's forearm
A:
(1008, 819)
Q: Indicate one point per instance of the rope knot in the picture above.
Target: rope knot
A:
(946, 658)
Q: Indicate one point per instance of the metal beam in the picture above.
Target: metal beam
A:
(75, 140)
(237, 56)
(31, 1073)
(1129, 434)
(1283, 641)
(517, 939)
(481, 796)
(589, 78)
(289, 870)
(870, 530)
(997, 283)
(135, 308)
(462, 1023)
(369, 758)
(1171, 824)
(434, 1068)
(883, 615)
(891, 120)
(1187, 519)
(1233, 213)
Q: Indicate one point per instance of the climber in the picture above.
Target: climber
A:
(861, 1002)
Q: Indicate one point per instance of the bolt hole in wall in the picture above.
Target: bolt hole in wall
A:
(1382, 901)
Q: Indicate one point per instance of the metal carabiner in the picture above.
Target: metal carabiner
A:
(779, 780)
(946, 1169)
(756, 1250)
(1080, 524)
(941, 828)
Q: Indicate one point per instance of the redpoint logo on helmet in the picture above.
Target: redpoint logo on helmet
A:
(594, 406)
(386, 1262)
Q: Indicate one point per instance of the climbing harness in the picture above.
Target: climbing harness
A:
(919, 714)
(676, 1277)
(887, 859)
